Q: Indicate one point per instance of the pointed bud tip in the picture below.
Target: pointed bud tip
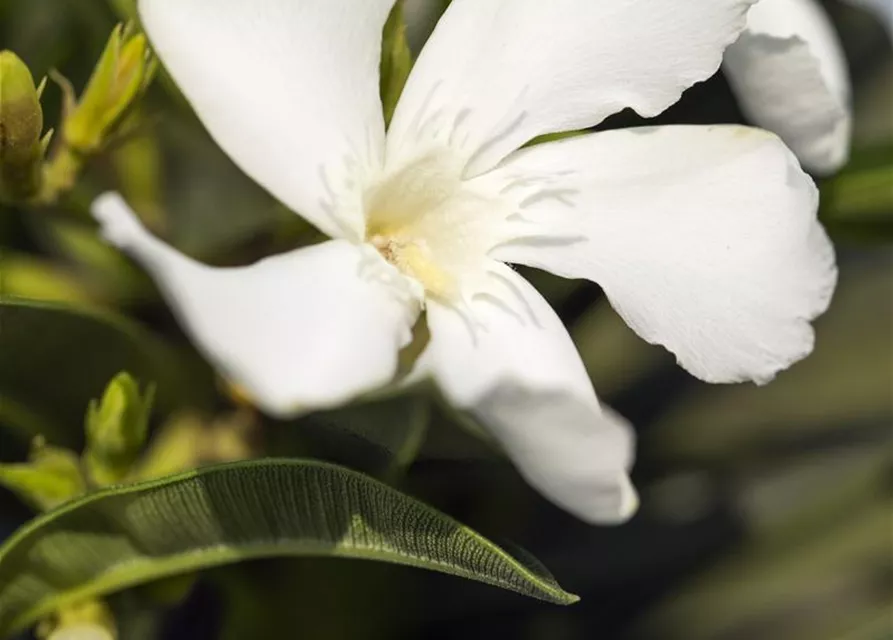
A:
(117, 427)
(16, 83)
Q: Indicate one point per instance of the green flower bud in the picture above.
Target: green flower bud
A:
(51, 477)
(122, 74)
(117, 427)
(21, 125)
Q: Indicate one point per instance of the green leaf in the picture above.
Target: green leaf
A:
(26, 276)
(396, 61)
(57, 358)
(130, 535)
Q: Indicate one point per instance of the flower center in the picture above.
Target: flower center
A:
(433, 226)
(414, 258)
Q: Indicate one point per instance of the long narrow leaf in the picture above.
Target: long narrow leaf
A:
(128, 535)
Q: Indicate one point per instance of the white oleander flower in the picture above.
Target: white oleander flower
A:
(790, 76)
(705, 239)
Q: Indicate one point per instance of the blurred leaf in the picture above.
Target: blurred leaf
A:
(873, 105)
(871, 623)
(782, 499)
(22, 420)
(811, 397)
(858, 202)
(111, 275)
(129, 535)
(57, 358)
(396, 61)
(263, 598)
(138, 165)
(614, 355)
(765, 587)
(125, 9)
(213, 208)
(421, 16)
(555, 289)
(26, 276)
(380, 436)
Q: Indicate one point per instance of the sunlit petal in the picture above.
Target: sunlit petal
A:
(513, 367)
(304, 330)
(705, 239)
(496, 74)
(288, 89)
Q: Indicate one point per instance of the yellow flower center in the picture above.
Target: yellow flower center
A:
(432, 225)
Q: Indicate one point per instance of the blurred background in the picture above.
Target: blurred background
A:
(766, 512)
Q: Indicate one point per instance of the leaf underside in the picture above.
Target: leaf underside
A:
(125, 536)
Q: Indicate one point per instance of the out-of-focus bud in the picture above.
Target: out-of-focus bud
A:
(117, 427)
(21, 125)
(51, 477)
(122, 74)
(90, 620)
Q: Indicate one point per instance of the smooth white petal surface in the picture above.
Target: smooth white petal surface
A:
(513, 366)
(496, 74)
(705, 239)
(789, 73)
(288, 89)
(300, 331)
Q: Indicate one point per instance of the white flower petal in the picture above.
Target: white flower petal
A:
(705, 239)
(496, 74)
(289, 89)
(514, 367)
(304, 330)
(789, 73)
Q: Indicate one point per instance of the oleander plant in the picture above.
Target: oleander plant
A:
(393, 319)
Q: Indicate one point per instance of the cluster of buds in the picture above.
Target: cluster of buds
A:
(116, 428)
(89, 122)
(124, 71)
